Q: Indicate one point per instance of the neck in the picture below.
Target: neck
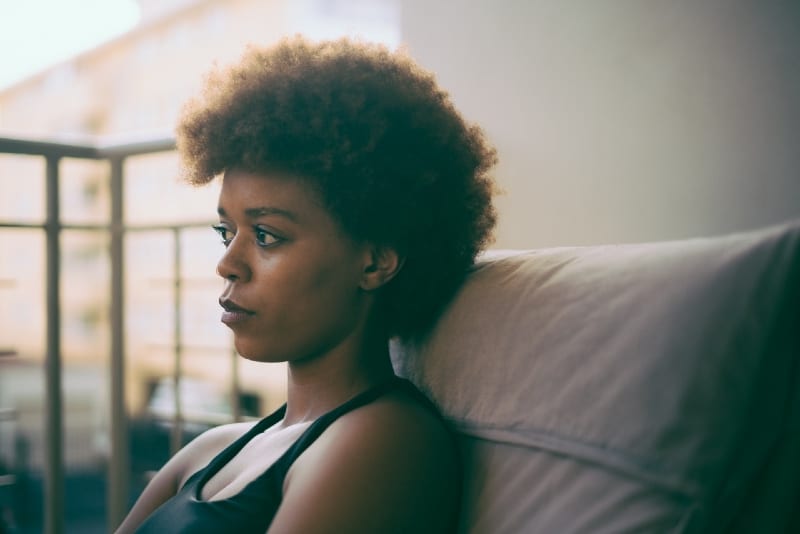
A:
(318, 385)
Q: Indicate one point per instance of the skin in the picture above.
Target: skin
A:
(310, 293)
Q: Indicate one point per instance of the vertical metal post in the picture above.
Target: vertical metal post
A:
(118, 475)
(54, 431)
(236, 388)
(176, 439)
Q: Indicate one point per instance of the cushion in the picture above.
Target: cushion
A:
(637, 387)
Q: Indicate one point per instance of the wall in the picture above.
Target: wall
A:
(621, 120)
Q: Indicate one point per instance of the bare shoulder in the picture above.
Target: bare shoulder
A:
(202, 449)
(395, 421)
(400, 431)
(389, 466)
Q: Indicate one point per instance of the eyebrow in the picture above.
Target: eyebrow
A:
(262, 211)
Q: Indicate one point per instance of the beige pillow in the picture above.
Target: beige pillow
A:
(623, 388)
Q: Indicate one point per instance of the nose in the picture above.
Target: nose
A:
(233, 265)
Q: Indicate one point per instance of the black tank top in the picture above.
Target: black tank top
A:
(254, 507)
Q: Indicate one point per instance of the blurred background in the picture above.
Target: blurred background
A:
(615, 121)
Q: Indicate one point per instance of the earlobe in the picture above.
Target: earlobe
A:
(381, 265)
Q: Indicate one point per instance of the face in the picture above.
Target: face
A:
(292, 276)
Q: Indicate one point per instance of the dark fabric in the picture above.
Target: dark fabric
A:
(252, 509)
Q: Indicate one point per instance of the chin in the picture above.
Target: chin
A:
(248, 351)
(256, 352)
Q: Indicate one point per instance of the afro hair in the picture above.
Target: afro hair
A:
(391, 158)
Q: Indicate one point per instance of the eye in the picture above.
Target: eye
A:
(265, 238)
(224, 233)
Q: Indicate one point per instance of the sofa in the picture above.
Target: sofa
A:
(629, 388)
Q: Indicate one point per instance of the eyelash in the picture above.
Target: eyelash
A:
(259, 232)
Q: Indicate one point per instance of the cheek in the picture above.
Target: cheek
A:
(305, 312)
(328, 298)
(310, 288)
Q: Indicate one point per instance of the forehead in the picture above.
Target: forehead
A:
(262, 194)
(257, 188)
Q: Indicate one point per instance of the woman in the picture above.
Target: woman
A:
(354, 199)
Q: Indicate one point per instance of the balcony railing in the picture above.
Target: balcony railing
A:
(116, 229)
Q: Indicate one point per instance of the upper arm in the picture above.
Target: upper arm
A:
(377, 469)
(160, 488)
(174, 473)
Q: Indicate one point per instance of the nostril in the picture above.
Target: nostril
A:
(227, 274)
(232, 268)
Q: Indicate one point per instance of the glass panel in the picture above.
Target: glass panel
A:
(149, 330)
(22, 348)
(85, 338)
(149, 318)
(85, 193)
(85, 299)
(22, 195)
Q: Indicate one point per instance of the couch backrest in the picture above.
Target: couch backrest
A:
(647, 387)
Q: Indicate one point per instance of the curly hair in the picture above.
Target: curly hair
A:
(382, 144)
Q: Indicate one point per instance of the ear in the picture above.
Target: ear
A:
(381, 264)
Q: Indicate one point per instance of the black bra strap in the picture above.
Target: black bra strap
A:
(282, 465)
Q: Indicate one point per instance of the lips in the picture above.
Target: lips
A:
(233, 313)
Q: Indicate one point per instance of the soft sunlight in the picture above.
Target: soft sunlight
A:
(35, 34)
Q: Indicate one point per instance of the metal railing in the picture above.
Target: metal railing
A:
(118, 470)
